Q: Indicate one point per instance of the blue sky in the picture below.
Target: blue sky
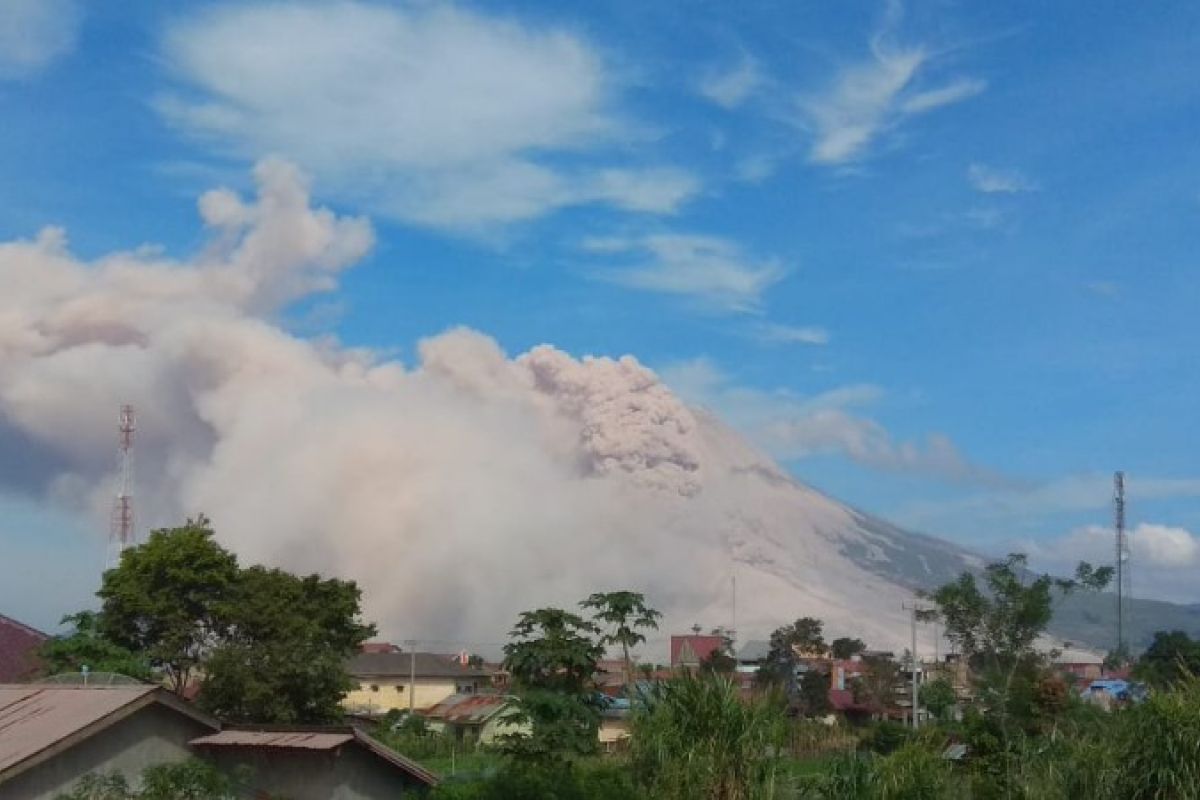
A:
(939, 258)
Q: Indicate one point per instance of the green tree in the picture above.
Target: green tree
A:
(719, 662)
(938, 698)
(87, 647)
(624, 613)
(284, 653)
(552, 659)
(813, 695)
(165, 599)
(1169, 659)
(875, 686)
(186, 780)
(779, 667)
(846, 648)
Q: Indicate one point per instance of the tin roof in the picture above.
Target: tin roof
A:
(468, 709)
(329, 738)
(18, 645)
(36, 718)
(397, 664)
(693, 649)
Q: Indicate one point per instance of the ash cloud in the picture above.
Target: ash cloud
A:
(458, 490)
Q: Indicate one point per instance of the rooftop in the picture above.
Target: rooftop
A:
(468, 709)
(398, 664)
(18, 644)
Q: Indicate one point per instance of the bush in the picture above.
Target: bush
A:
(547, 780)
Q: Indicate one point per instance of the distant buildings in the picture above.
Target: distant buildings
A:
(473, 718)
(693, 649)
(390, 678)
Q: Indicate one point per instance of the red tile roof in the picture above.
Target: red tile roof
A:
(18, 647)
(692, 649)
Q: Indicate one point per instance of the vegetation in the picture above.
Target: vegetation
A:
(271, 647)
(779, 667)
(624, 613)
(1171, 657)
(846, 648)
(188, 780)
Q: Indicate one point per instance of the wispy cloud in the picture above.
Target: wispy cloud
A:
(434, 115)
(776, 333)
(34, 33)
(729, 88)
(709, 269)
(991, 180)
(870, 97)
(791, 426)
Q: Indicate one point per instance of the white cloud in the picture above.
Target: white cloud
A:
(790, 426)
(710, 269)
(730, 88)
(34, 33)
(776, 333)
(431, 114)
(870, 97)
(991, 180)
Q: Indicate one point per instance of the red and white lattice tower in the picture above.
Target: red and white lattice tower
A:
(121, 530)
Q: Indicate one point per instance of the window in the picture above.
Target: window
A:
(399, 688)
(374, 687)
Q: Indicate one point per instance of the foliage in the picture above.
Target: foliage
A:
(1169, 659)
(938, 698)
(719, 662)
(165, 599)
(187, 780)
(545, 781)
(552, 660)
(875, 687)
(779, 667)
(696, 738)
(812, 699)
(624, 612)
(845, 648)
(886, 737)
(284, 653)
(87, 647)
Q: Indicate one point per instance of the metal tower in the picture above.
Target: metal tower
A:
(121, 531)
(1124, 590)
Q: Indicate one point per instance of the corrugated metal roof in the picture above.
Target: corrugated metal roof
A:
(400, 665)
(36, 717)
(290, 740)
(18, 646)
(468, 709)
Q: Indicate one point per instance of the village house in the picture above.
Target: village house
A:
(52, 735)
(389, 678)
(690, 650)
(473, 718)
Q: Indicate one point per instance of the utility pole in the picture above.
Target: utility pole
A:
(411, 644)
(913, 608)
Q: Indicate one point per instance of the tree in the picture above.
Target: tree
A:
(718, 662)
(165, 599)
(813, 695)
(875, 687)
(779, 667)
(283, 656)
(1169, 659)
(938, 698)
(552, 660)
(187, 780)
(624, 613)
(87, 647)
(846, 648)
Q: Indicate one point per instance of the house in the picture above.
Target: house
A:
(1083, 665)
(752, 655)
(18, 649)
(53, 735)
(692, 649)
(473, 717)
(389, 678)
(319, 763)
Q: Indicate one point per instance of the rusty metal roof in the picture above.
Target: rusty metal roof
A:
(18, 649)
(468, 709)
(289, 740)
(329, 738)
(34, 718)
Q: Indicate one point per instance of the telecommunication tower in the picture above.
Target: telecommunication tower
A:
(1124, 585)
(121, 530)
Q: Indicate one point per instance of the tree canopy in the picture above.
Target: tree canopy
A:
(87, 647)
(624, 613)
(1170, 658)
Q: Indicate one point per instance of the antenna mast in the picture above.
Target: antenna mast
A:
(1124, 590)
(121, 532)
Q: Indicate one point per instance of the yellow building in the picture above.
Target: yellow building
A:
(395, 679)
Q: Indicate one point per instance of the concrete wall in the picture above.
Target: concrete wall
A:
(349, 773)
(153, 735)
(393, 692)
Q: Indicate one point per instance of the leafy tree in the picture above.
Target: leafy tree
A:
(875, 687)
(813, 695)
(87, 647)
(1169, 659)
(779, 667)
(187, 780)
(552, 659)
(165, 599)
(283, 656)
(719, 662)
(938, 697)
(624, 613)
(846, 648)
